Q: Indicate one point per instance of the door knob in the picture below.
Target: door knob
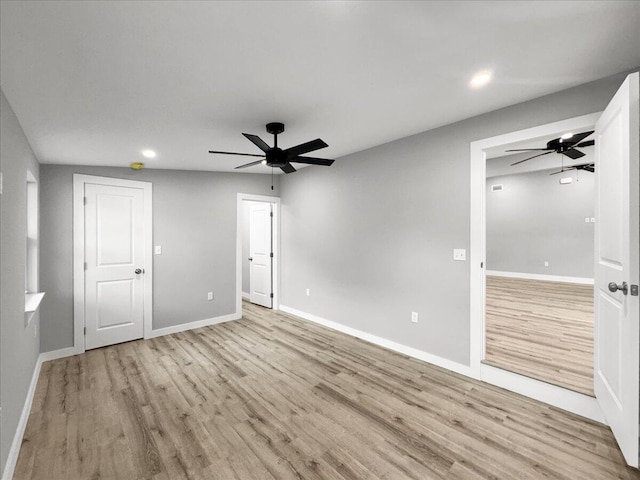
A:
(614, 287)
(138, 271)
(250, 259)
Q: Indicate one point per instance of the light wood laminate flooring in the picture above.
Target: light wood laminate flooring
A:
(541, 329)
(274, 397)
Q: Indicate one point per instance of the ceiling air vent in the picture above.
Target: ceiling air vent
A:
(496, 188)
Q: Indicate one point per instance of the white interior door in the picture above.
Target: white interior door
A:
(114, 264)
(617, 336)
(260, 252)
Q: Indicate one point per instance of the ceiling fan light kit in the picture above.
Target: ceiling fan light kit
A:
(276, 157)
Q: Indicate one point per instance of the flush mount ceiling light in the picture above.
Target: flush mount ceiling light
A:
(480, 79)
(566, 136)
(148, 153)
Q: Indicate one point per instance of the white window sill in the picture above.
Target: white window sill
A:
(31, 305)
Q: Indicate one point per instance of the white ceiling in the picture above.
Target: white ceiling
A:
(94, 83)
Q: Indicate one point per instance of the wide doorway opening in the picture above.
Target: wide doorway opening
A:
(539, 237)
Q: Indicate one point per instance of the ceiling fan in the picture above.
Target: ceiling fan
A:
(565, 145)
(589, 167)
(277, 157)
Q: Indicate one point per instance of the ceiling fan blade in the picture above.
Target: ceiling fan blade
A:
(527, 149)
(257, 162)
(257, 141)
(234, 153)
(545, 153)
(573, 153)
(563, 170)
(303, 148)
(588, 143)
(589, 167)
(578, 137)
(287, 168)
(312, 161)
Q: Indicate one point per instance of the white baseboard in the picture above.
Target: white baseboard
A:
(383, 342)
(63, 352)
(246, 295)
(191, 325)
(568, 400)
(538, 276)
(12, 458)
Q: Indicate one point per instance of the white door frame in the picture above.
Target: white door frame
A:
(79, 182)
(275, 201)
(557, 396)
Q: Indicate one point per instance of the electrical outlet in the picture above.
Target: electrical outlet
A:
(546, 264)
(210, 296)
(414, 317)
(308, 292)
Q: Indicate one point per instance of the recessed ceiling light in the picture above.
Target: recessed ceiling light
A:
(149, 153)
(480, 79)
(566, 135)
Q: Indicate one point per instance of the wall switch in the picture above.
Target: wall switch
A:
(593, 220)
(414, 317)
(546, 264)
(210, 296)
(158, 250)
(587, 219)
(459, 254)
(308, 292)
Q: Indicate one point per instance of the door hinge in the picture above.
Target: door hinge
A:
(271, 295)
(481, 264)
(85, 331)
(85, 265)
(271, 254)
(84, 200)
(271, 214)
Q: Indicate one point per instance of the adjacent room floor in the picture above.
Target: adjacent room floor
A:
(541, 329)
(275, 397)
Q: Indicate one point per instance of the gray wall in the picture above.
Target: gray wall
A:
(536, 219)
(372, 236)
(194, 220)
(19, 345)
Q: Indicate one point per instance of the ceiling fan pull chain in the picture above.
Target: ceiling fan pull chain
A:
(271, 178)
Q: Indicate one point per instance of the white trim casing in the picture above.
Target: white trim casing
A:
(275, 201)
(383, 342)
(79, 182)
(538, 276)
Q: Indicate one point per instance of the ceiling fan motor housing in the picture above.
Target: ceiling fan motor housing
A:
(275, 128)
(276, 157)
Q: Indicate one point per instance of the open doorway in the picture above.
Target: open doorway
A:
(615, 332)
(539, 216)
(482, 153)
(257, 252)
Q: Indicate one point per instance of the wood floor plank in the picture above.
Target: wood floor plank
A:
(273, 397)
(541, 329)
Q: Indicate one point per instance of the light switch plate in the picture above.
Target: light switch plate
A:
(459, 254)
(158, 250)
